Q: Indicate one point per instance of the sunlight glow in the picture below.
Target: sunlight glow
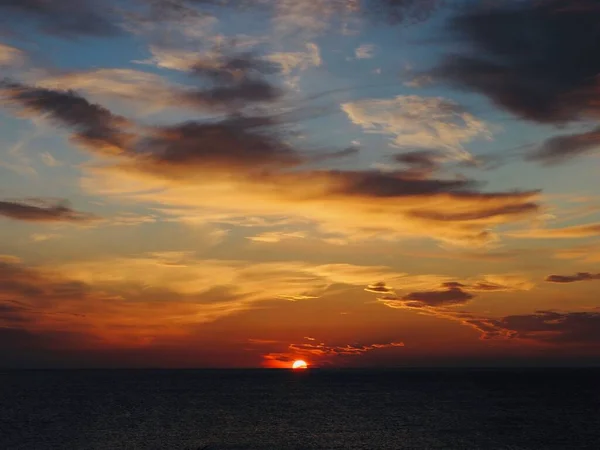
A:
(299, 364)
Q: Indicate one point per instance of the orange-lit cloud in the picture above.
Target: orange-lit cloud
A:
(576, 231)
(322, 354)
(587, 253)
(250, 161)
(10, 56)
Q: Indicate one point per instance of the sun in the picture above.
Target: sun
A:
(299, 364)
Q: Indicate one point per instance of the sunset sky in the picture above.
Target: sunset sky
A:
(353, 183)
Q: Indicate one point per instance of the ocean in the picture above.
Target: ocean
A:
(312, 409)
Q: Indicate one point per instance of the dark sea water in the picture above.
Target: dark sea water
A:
(314, 409)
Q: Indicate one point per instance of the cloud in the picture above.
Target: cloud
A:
(26, 292)
(239, 144)
(572, 328)
(402, 11)
(585, 253)
(574, 232)
(320, 353)
(230, 83)
(309, 18)
(580, 276)
(273, 237)
(250, 282)
(380, 288)
(41, 237)
(40, 210)
(365, 51)
(419, 122)
(172, 22)
(359, 204)
(536, 59)
(125, 84)
(563, 148)
(421, 162)
(65, 18)
(237, 79)
(94, 126)
(137, 299)
(10, 56)
(290, 61)
(118, 310)
(345, 350)
(452, 293)
(313, 17)
(252, 159)
(523, 208)
(500, 283)
(50, 160)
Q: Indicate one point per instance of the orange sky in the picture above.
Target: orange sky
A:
(352, 183)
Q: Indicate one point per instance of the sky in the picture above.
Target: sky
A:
(353, 183)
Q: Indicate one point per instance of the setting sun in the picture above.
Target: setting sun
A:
(299, 365)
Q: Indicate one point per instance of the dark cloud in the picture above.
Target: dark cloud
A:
(238, 143)
(452, 294)
(95, 126)
(582, 328)
(580, 276)
(488, 287)
(65, 18)
(420, 161)
(11, 313)
(234, 96)
(536, 59)
(39, 210)
(237, 80)
(379, 288)
(231, 68)
(394, 12)
(393, 184)
(345, 153)
(401, 11)
(562, 148)
(18, 282)
(26, 294)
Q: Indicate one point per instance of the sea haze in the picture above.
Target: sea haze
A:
(312, 409)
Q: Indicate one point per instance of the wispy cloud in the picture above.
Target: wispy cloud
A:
(322, 354)
(573, 232)
(365, 51)
(40, 210)
(421, 122)
(581, 276)
(11, 56)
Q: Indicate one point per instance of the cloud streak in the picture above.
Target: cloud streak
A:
(573, 232)
(580, 276)
(65, 18)
(39, 210)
